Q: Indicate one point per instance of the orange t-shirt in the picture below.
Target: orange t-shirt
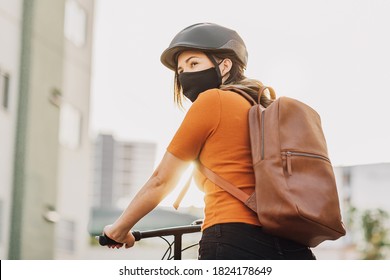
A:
(215, 130)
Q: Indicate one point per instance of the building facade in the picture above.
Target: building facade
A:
(45, 61)
(120, 169)
(74, 162)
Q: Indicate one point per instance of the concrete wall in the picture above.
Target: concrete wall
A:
(36, 158)
(10, 33)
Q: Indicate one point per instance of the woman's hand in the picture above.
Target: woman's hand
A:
(123, 237)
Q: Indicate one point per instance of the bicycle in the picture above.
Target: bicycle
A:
(177, 232)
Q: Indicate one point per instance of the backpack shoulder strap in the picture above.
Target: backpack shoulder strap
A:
(243, 94)
(250, 99)
(216, 179)
(221, 182)
(182, 193)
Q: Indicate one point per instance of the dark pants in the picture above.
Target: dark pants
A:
(238, 241)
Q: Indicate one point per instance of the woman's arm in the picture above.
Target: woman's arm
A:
(163, 180)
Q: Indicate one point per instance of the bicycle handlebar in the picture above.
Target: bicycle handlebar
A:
(179, 230)
(104, 240)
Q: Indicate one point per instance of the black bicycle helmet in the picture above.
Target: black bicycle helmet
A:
(204, 36)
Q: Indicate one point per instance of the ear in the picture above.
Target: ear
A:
(225, 66)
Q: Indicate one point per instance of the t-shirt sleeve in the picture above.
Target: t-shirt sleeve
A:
(200, 122)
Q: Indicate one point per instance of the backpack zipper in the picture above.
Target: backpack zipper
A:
(288, 154)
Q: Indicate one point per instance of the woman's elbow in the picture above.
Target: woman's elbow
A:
(160, 182)
(168, 173)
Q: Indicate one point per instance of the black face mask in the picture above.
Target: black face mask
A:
(194, 83)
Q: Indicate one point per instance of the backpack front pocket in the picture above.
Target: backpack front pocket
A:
(287, 156)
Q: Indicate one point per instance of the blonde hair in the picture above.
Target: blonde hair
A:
(236, 79)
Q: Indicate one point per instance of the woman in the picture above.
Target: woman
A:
(209, 62)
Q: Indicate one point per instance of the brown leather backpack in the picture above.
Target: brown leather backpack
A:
(295, 194)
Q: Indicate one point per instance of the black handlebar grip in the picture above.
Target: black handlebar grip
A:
(104, 240)
(137, 235)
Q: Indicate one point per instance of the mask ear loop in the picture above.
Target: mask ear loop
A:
(216, 64)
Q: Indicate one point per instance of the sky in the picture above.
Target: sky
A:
(333, 55)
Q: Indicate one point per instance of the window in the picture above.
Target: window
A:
(75, 26)
(70, 127)
(4, 90)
